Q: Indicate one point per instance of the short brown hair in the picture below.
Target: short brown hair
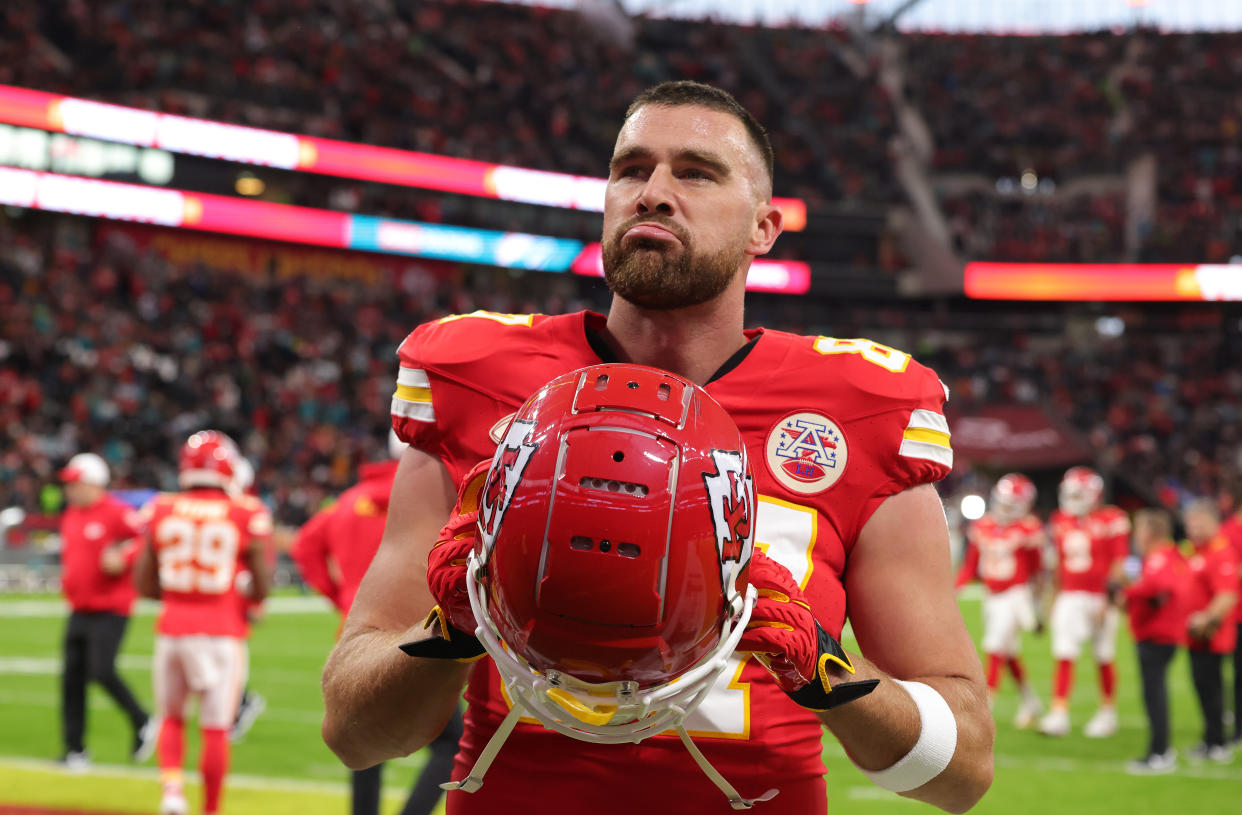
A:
(688, 92)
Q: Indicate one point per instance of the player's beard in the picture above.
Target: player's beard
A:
(662, 275)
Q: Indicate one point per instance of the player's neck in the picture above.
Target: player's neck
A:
(691, 342)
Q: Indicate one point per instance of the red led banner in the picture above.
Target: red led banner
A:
(249, 145)
(1103, 281)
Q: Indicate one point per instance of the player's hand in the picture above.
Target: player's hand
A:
(446, 564)
(786, 638)
(451, 624)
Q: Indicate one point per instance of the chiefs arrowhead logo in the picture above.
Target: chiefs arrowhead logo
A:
(508, 464)
(731, 494)
(497, 431)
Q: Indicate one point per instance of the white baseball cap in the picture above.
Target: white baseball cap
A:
(86, 468)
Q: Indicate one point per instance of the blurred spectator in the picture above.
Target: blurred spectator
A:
(1156, 599)
(1214, 591)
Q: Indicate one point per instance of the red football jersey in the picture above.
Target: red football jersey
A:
(1088, 546)
(346, 534)
(832, 427)
(1214, 570)
(1002, 555)
(84, 533)
(1158, 600)
(199, 538)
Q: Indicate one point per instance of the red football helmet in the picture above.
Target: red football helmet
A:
(1012, 497)
(208, 459)
(616, 527)
(1080, 491)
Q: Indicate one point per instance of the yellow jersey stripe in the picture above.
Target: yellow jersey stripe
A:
(412, 393)
(925, 435)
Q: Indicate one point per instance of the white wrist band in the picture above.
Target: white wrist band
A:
(934, 749)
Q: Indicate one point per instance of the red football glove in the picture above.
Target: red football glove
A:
(452, 621)
(787, 639)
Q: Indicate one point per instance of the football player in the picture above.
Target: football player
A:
(196, 541)
(1092, 541)
(1005, 552)
(847, 436)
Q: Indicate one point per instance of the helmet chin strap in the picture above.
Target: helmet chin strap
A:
(542, 697)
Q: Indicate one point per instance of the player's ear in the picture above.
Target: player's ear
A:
(767, 226)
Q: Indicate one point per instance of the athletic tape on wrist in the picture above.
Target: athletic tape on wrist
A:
(934, 749)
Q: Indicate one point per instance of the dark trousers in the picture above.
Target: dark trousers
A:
(1205, 669)
(1237, 686)
(426, 793)
(92, 640)
(1154, 659)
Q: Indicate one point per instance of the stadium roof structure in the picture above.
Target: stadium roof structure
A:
(964, 16)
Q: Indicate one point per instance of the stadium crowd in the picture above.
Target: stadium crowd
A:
(116, 349)
(545, 88)
(121, 352)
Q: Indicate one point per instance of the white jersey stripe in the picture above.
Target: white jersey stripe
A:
(418, 411)
(931, 452)
(414, 377)
(928, 420)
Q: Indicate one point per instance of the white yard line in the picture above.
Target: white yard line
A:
(56, 607)
(51, 699)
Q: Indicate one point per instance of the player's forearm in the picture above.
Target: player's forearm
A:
(882, 727)
(381, 704)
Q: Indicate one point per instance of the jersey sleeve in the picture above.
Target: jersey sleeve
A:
(1118, 529)
(1223, 571)
(412, 408)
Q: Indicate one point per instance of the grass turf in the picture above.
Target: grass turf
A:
(283, 766)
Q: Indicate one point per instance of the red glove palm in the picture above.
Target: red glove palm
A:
(787, 639)
(452, 622)
(446, 563)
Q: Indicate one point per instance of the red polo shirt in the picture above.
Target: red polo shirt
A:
(1157, 600)
(84, 533)
(1214, 570)
(346, 534)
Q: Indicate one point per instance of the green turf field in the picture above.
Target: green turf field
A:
(283, 767)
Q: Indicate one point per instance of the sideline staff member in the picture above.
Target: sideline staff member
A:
(97, 554)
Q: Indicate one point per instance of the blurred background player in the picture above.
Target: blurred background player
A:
(98, 535)
(1213, 594)
(1092, 542)
(196, 541)
(1005, 552)
(1156, 600)
(252, 702)
(333, 550)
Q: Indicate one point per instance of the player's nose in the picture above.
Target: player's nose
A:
(657, 194)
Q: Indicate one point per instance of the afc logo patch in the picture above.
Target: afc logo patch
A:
(731, 495)
(806, 452)
(510, 461)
